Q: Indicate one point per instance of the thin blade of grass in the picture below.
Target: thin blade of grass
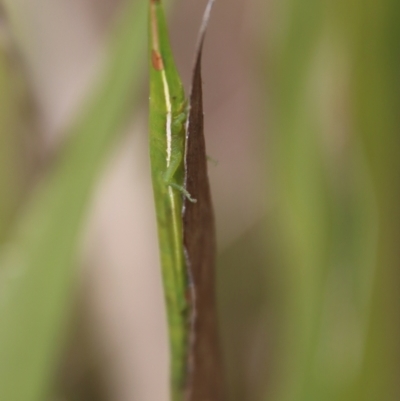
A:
(206, 378)
(15, 105)
(167, 115)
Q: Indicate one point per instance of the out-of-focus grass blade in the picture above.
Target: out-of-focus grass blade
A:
(376, 102)
(206, 379)
(13, 124)
(301, 203)
(326, 208)
(37, 265)
(9, 158)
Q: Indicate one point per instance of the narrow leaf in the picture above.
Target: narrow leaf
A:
(167, 146)
(16, 161)
(206, 379)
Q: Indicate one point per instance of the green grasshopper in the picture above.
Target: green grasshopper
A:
(168, 114)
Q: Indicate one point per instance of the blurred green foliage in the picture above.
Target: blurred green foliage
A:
(329, 306)
(336, 133)
(38, 260)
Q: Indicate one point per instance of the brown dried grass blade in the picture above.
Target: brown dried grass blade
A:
(205, 375)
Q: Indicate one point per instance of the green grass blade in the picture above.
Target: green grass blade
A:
(13, 101)
(37, 268)
(302, 207)
(167, 141)
(376, 102)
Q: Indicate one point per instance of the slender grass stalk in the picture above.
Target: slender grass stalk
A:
(167, 146)
(13, 100)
